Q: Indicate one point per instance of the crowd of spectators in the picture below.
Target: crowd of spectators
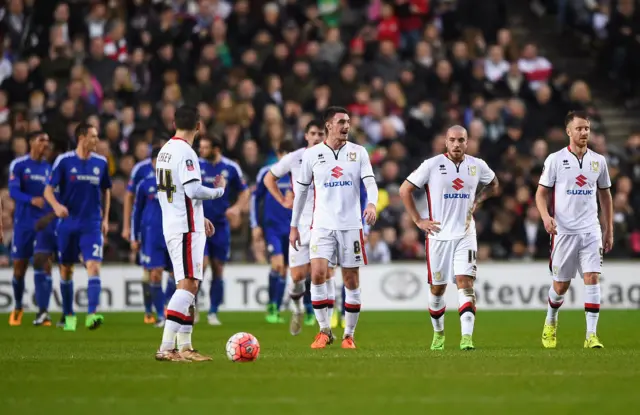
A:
(259, 71)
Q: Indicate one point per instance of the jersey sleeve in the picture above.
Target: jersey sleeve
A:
(138, 207)
(55, 178)
(105, 179)
(256, 198)
(486, 174)
(15, 185)
(548, 177)
(237, 179)
(189, 168)
(306, 170)
(282, 167)
(420, 176)
(365, 165)
(604, 181)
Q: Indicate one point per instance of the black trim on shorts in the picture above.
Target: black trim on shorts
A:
(185, 266)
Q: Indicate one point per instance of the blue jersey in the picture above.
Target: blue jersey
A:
(147, 213)
(80, 184)
(272, 215)
(139, 172)
(27, 180)
(215, 210)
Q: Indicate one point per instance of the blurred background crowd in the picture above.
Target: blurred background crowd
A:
(260, 71)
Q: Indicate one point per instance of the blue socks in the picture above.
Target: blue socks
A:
(216, 294)
(158, 298)
(66, 290)
(273, 286)
(93, 293)
(344, 295)
(18, 291)
(170, 289)
(281, 285)
(306, 300)
(40, 279)
(147, 297)
(46, 293)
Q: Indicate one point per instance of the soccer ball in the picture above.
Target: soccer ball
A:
(243, 347)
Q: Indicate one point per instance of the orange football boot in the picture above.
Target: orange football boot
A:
(15, 318)
(348, 343)
(149, 319)
(322, 340)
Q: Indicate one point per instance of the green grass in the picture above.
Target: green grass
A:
(112, 370)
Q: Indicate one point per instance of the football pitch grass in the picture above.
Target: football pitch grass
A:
(113, 371)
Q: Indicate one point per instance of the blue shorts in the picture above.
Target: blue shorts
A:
(277, 243)
(75, 238)
(219, 245)
(154, 251)
(46, 240)
(140, 252)
(22, 243)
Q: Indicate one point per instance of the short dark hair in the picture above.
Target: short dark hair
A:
(286, 147)
(154, 153)
(82, 130)
(34, 134)
(313, 123)
(186, 118)
(331, 111)
(216, 141)
(572, 115)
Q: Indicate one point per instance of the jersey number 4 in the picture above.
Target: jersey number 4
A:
(165, 183)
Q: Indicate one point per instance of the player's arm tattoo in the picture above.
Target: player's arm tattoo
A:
(485, 191)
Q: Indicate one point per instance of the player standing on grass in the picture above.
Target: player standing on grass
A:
(456, 184)
(180, 191)
(147, 220)
(272, 223)
(82, 177)
(574, 176)
(335, 169)
(28, 177)
(218, 247)
(298, 259)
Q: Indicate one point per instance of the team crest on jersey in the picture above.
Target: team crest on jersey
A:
(96, 171)
(595, 166)
(472, 170)
(225, 174)
(351, 156)
(190, 165)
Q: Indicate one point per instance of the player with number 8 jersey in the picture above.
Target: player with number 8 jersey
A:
(455, 184)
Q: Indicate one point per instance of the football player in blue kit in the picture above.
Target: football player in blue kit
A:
(147, 221)
(219, 212)
(271, 220)
(28, 177)
(82, 207)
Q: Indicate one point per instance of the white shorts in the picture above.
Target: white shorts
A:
(575, 254)
(187, 254)
(339, 247)
(446, 259)
(301, 256)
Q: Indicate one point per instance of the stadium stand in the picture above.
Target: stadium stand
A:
(259, 71)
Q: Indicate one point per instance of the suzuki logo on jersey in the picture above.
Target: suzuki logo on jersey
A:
(458, 184)
(581, 180)
(580, 192)
(336, 172)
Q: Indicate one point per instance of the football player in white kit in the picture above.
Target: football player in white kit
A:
(575, 177)
(299, 259)
(335, 168)
(180, 192)
(456, 184)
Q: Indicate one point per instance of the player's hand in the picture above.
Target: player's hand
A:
(209, 229)
(550, 225)
(61, 211)
(126, 233)
(105, 229)
(287, 202)
(219, 181)
(370, 214)
(607, 240)
(430, 227)
(135, 246)
(38, 202)
(256, 234)
(294, 238)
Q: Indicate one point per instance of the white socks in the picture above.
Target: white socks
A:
(437, 307)
(178, 317)
(592, 307)
(467, 310)
(555, 302)
(320, 302)
(296, 292)
(351, 310)
(331, 296)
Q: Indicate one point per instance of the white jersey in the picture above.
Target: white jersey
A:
(336, 178)
(451, 192)
(176, 165)
(575, 182)
(291, 164)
